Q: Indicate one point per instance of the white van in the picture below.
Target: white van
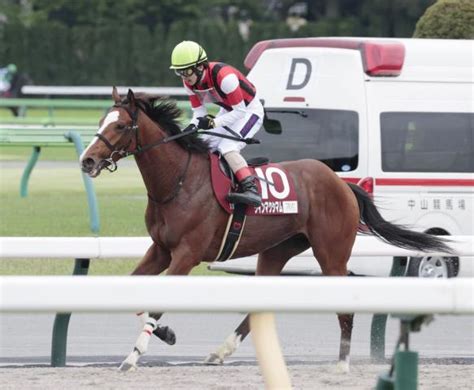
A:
(395, 115)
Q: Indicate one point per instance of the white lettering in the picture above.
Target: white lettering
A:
(268, 176)
(263, 184)
(286, 186)
(290, 207)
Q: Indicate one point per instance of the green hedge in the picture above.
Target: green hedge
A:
(53, 54)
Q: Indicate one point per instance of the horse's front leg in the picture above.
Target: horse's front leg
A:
(180, 265)
(155, 261)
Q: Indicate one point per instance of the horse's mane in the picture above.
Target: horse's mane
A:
(166, 114)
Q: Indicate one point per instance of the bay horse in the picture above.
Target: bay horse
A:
(187, 224)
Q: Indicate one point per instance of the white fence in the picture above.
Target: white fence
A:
(227, 294)
(257, 295)
(106, 247)
(70, 293)
(98, 91)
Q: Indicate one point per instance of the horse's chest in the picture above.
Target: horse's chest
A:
(166, 228)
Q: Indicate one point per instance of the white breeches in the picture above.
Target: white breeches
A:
(245, 127)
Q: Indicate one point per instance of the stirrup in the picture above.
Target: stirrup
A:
(248, 197)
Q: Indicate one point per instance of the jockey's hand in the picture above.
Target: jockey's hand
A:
(205, 122)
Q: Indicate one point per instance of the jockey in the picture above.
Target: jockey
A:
(240, 115)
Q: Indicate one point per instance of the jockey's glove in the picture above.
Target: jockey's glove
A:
(205, 122)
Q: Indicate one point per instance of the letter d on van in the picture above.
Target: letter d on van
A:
(299, 62)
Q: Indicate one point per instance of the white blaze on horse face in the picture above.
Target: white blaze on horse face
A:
(111, 117)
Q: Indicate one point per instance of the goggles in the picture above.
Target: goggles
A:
(184, 72)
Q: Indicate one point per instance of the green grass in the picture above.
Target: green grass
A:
(56, 206)
(59, 113)
(22, 153)
(65, 267)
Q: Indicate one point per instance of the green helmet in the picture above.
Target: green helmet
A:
(187, 54)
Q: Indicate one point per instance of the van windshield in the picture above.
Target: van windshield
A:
(331, 136)
(427, 141)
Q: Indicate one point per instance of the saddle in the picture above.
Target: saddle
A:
(275, 186)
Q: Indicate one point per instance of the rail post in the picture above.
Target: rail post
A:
(27, 172)
(379, 321)
(61, 323)
(267, 347)
(88, 184)
(403, 373)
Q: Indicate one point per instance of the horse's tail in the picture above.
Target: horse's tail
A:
(391, 233)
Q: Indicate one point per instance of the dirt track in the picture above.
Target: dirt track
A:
(308, 376)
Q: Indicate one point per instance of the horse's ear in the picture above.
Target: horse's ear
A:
(115, 95)
(131, 98)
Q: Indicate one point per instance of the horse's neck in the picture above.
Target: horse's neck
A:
(161, 167)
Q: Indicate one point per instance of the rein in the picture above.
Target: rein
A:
(133, 127)
(123, 152)
(178, 185)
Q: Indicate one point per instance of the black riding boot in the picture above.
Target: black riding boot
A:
(249, 193)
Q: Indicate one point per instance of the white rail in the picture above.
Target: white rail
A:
(234, 294)
(257, 295)
(106, 247)
(98, 91)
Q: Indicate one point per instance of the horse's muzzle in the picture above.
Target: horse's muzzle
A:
(88, 165)
(91, 168)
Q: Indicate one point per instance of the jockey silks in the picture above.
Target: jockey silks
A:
(219, 86)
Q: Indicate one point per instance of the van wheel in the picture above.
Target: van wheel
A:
(433, 267)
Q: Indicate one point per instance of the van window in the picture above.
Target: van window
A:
(331, 136)
(427, 142)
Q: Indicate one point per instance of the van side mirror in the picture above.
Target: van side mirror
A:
(272, 126)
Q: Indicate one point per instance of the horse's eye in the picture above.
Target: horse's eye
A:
(120, 127)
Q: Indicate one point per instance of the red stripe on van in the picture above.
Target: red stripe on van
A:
(426, 182)
(294, 99)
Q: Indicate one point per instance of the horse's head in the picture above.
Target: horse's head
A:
(116, 137)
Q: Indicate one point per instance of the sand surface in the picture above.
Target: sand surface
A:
(303, 376)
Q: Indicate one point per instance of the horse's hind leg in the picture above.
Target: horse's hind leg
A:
(155, 261)
(270, 262)
(230, 344)
(333, 254)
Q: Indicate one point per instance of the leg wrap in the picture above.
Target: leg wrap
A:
(142, 342)
(235, 161)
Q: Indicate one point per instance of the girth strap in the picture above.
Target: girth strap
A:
(233, 232)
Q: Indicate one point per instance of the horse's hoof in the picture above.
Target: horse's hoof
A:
(214, 359)
(166, 334)
(343, 367)
(127, 367)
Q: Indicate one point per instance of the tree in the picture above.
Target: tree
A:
(447, 19)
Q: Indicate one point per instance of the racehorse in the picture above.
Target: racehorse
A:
(187, 224)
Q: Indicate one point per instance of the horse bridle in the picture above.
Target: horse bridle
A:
(124, 152)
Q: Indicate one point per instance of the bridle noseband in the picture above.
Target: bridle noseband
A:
(124, 152)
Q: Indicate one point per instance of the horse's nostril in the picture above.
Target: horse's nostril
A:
(87, 164)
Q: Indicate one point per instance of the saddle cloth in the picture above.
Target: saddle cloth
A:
(277, 199)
